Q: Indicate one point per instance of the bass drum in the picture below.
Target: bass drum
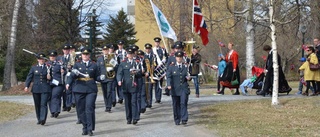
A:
(159, 72)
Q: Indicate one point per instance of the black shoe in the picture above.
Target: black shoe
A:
(64, 109)
(42, 122)
(38, 123)
(114, 104)
(149, 106)
(90, 133)
(73, 105)
(128, 122)
(166, 94)
(177, 123)
(135, 122)
(184, 122)
(158, 101)
(237, 93)
(85, 133)
(120, 101)
(79, 122)
(108, 110)
(262, 93)
(221, 93)
(68, 109)
(52, 115)
(56, 114)
(142, 110)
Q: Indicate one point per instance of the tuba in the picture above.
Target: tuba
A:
(110, 64)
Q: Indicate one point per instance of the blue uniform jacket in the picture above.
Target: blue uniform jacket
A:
(55, 72)
(123, 74)
(39, 77)
(102, 69)
(85, 86)
(176, 78)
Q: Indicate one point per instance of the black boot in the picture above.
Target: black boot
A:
(262, 93)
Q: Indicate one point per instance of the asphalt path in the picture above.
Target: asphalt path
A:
(155, 122)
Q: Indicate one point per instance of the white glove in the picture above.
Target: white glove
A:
(76, 72)
(164, 60)
(102, 77)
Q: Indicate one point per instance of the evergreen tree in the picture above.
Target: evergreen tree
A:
(119, 28)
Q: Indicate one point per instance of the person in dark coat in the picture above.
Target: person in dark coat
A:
(56, 83)
(106, 65)
(161, 58)
(195, 68)
(126, 77)
(268, 82)
(85, 74)
(177, 77)
(153, 63)
(41, 89)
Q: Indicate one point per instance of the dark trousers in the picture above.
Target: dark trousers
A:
(41, 105)
(139, 91)
(130, 100)
(143, 100)
(119, 92)
(107, 93)
(55, 102)
(86, 107)
(218, 84)
(158, 90)
(150, 89)
(64, 99)
(180, 107)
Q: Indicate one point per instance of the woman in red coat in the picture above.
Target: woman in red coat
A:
(232, 70)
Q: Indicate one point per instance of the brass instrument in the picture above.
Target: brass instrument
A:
(72, 58)
(110, 64)
(188, 50)
(150, 70)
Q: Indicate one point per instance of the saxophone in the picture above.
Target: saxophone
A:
(110, 64)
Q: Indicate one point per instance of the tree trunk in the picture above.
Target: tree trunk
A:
(275, 100)
(315, 15)
(13, 76)
(10, 51)
(249, 38)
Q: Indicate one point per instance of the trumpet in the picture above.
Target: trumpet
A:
(149, 70)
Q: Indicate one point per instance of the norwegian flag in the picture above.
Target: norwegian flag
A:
(199, 23)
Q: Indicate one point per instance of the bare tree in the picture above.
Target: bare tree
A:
(9, 72)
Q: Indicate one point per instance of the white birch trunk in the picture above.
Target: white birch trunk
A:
(8, 77)
(249, 38)
(275, 100)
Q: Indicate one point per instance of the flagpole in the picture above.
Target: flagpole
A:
(192, 27)
(165, 45)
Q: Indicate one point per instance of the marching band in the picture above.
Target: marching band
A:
(130, 73)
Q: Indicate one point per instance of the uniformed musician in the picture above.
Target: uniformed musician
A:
(106, 65)
(65, 58)
(41, 89)
(141, 97)
(85, 74)
(177, 46)
(177, 77)
(161, 58)
(56, 82)
(152, 62)
(111, 49)
(121, 55)
(126, 77)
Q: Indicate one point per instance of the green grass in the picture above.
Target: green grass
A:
(294, 117)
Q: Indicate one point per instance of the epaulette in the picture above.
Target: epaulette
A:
(93, 62)
(79, 60)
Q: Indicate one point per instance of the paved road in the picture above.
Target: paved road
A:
(156, 122)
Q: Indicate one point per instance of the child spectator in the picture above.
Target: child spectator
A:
(302, 82)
